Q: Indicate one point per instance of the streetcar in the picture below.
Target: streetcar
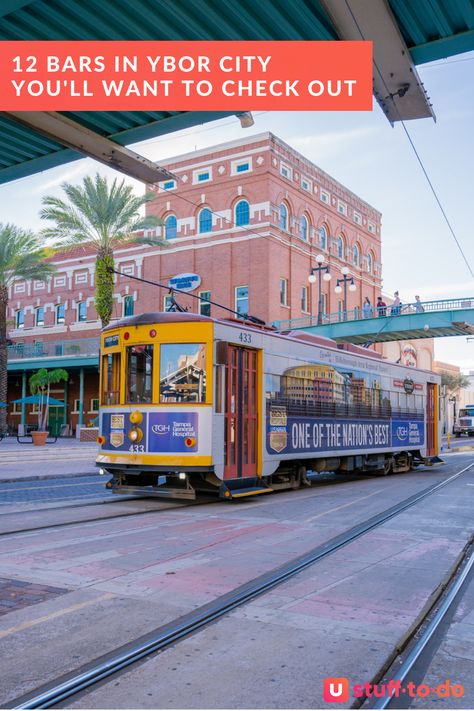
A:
(192, 404)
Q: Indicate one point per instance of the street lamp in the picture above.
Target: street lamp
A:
(312, 278)
(338, 289)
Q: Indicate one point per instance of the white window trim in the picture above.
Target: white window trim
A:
(341, 207)
(241, 286)
(197, 173)
(235, 164)
(309, 189)
(161, 185)
(284, 166)
(324, 196)
(371, 227)
(357, 217)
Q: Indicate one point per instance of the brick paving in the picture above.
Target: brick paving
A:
(16, 594)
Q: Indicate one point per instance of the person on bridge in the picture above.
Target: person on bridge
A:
(381, 306)
(419, 308)
(396, 306)
(367, 308)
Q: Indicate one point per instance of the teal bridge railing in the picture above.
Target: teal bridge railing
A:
(427, 319)
(67, 349)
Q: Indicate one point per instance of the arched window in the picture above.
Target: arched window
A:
(304, 228)
(370, 263)
(205, 220)
(340, 247)
(356, 255)
(171, 227)
(283, 217)
(242, 213)
(323, 238)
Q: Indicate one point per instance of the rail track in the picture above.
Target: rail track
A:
(71, 684)
(417, 646)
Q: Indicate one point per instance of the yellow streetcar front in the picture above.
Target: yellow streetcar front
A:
(156, 404)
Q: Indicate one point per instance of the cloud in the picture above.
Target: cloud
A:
(73, 171)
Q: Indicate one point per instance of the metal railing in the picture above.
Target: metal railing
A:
(385, 312)
(54, 349)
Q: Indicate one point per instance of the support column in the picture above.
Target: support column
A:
(23, 395)
(80, 420)
(65, 402)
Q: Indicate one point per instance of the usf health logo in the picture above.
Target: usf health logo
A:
(336, 689)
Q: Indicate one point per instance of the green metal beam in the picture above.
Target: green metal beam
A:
(58, 362)
(442, 48)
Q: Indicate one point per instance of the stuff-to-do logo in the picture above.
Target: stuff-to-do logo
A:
(336, 689)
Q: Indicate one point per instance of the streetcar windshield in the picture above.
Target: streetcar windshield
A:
(110, 379)
(183, 372)
(139, 382)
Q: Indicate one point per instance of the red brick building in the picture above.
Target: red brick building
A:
(246, 219)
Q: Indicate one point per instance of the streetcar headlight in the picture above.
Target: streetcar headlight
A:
(135, 434)
(181, 475)
(136, 417)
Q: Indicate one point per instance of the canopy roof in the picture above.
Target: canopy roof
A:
(428, 29)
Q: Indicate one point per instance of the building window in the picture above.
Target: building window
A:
(60, 314)
(324, 196)
(77, 406)
(284, 292)
(205, 220)
(20, 319)
(167, 302)
(204, 305)
(357, 217)
(341, 207)
(340, 247)
(283, 217)
(240, 166)
(323, 238)
(286, 171)
(242, 213)
(306, 185)
(304, 228)
(39, 316)
(168, 185)
(324, 301)
(171, 227)
(370, 263)
(202, 176)
(128, 306)
(304, 299)
(82, 311)
(356, 255)
(94, 406)
(371, 227)
(242, 300)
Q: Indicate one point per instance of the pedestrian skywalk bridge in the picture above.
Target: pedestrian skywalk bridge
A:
(448, 317)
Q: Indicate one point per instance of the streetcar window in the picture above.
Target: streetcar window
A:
(139, 383)
(183, 372)
(110, 379)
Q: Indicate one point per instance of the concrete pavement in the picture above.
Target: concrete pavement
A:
(25, 462)
(341, 617)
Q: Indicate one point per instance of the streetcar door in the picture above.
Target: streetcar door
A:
(430, 420)
(241, 413)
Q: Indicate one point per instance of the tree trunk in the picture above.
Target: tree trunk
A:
(104, 286)
(3, 355)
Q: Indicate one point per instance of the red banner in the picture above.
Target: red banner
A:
(186, 76)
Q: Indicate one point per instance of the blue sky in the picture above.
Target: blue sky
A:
(368, 156)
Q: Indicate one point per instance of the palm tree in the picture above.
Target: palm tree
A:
(105, 217)
(21, 257)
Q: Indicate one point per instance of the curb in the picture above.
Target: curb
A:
(43, 477)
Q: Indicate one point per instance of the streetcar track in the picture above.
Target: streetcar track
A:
(411, 651)
(72, 683)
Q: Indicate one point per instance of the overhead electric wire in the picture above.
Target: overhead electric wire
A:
(418, 157)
